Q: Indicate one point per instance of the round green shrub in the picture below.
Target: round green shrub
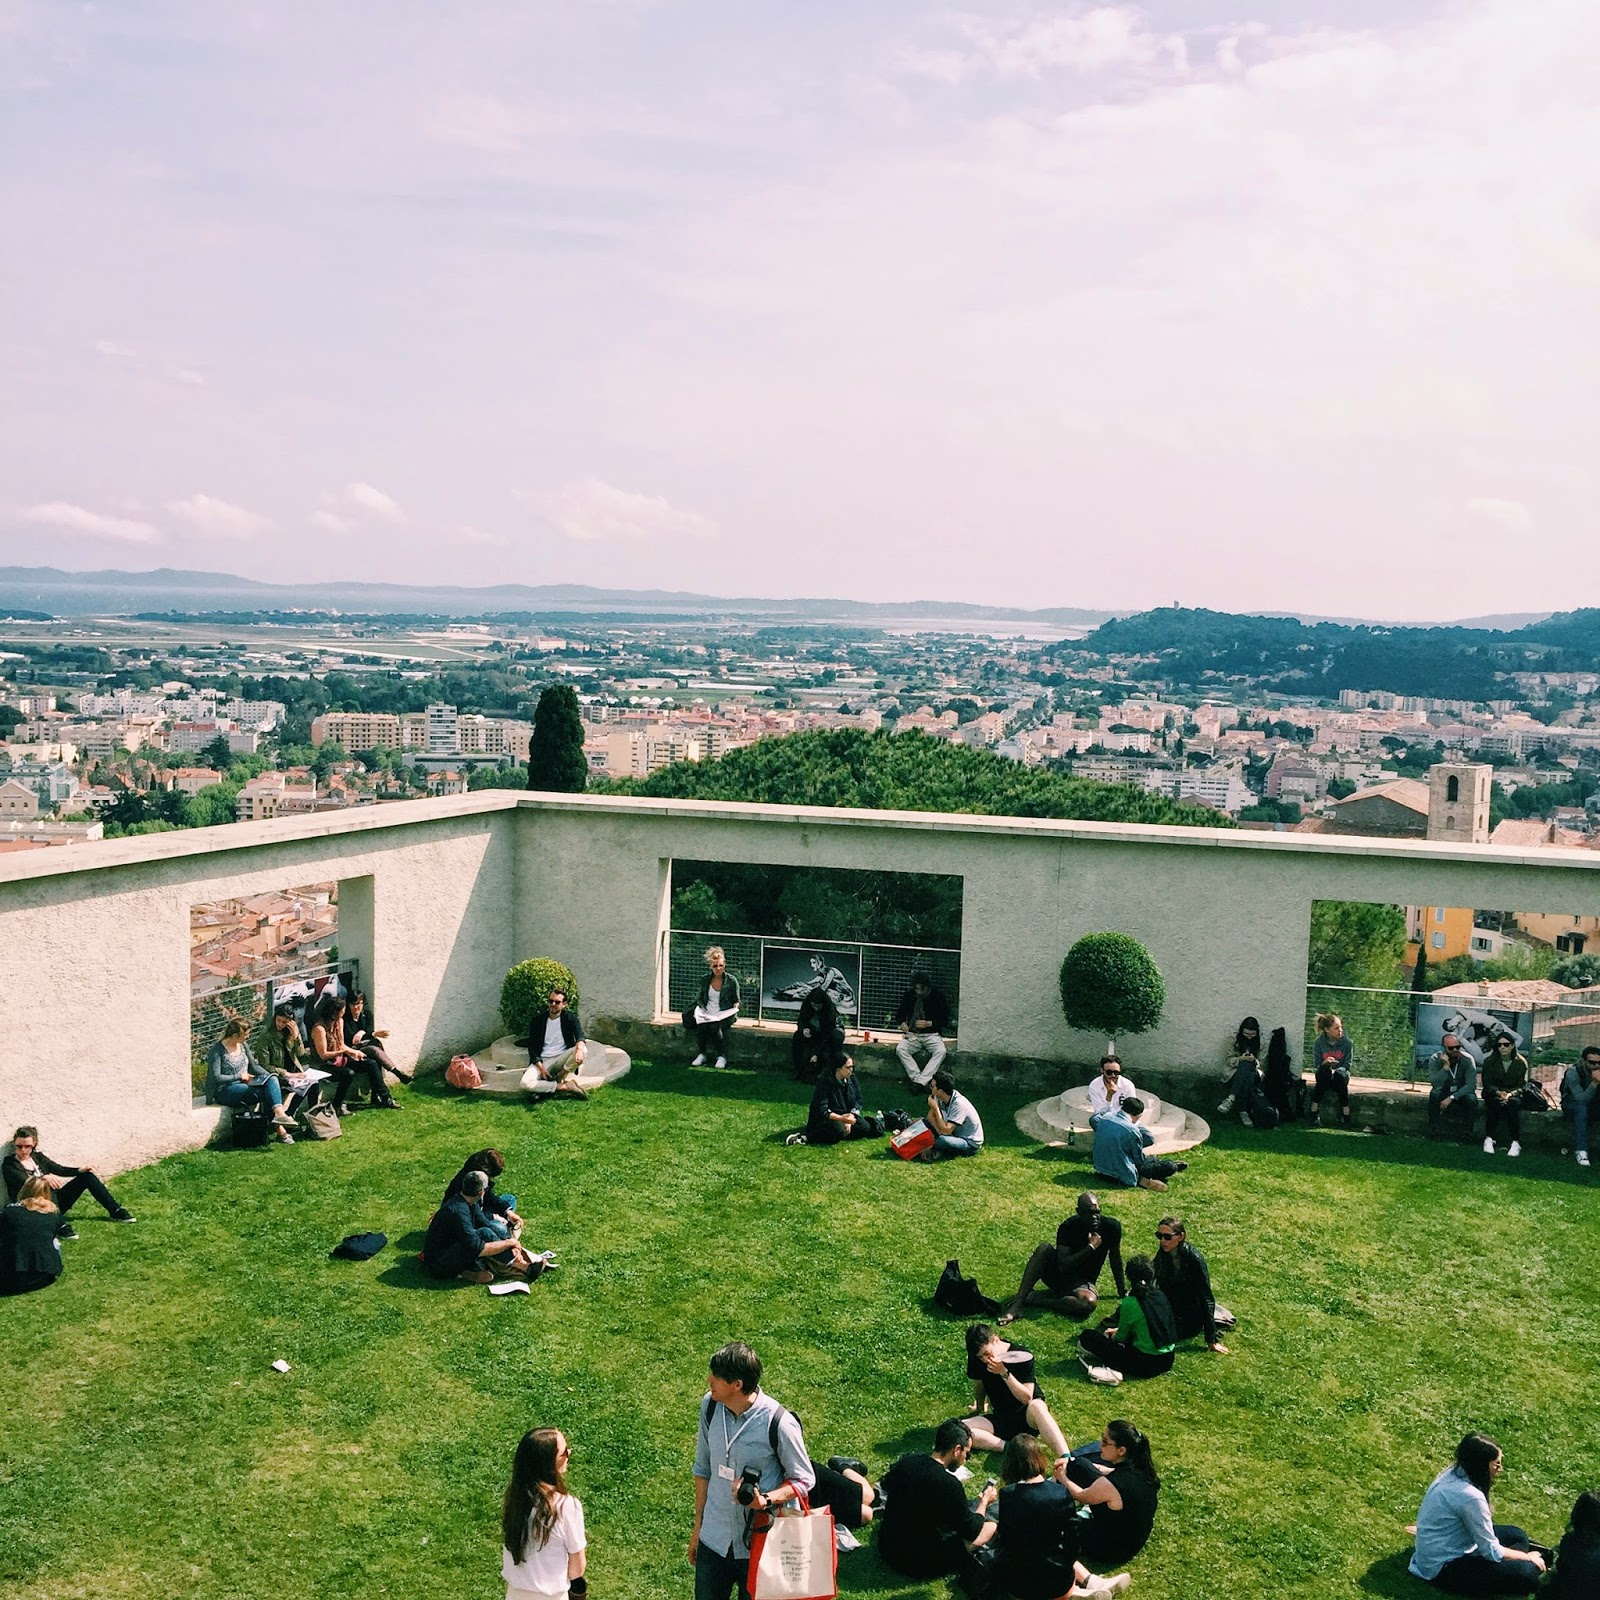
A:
(527, 990)
(1110, 985)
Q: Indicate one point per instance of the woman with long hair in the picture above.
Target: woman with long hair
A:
(1185, 1279)
(1036, 1532)
(1244, 1070)
(818, 1039)
(1576, 1574)
(363, 1034)
(1460, 1547)
(30, 1239)
(1120, 1489)
(1505, 1072)
(541, 1522)
(1141, 1342)
(340, 1061)
(1334, 1056)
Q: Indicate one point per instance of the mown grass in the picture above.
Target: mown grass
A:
(1392, 1295)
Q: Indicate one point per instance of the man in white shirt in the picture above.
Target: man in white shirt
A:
(957, 1127)
(556, 1046)
(1110, 1089)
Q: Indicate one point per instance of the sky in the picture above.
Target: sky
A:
(1284, 304)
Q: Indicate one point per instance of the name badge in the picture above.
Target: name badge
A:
(725, 1472)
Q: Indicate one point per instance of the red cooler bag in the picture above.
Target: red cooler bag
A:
(912, 1141)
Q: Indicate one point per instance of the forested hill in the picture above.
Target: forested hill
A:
(906, 772)
(1197, 647)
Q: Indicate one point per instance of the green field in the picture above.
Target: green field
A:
(1392, 1295)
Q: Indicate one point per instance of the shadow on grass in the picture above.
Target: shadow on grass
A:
(407, 1273)
(1391, 1576)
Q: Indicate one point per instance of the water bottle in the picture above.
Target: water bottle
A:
(1072, 1136)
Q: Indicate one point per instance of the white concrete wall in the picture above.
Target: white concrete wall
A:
(443, 895)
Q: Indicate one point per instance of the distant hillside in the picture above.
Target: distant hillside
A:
(1195, 648)
(906, 772)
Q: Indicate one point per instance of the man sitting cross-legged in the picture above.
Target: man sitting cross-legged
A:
(556, 1048)
(463, 1242)
(927, 1528)
(1070, 1267)
(1119, 1146)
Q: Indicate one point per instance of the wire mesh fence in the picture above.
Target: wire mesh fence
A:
(210, 1013)
(874, 976)
(1394, 1031)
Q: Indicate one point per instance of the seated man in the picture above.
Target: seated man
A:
(1452, 1075)
(1580, 1084)
(462, 1242)
(557, 1047)
(923, 1018)
(836, 1112)
(926, 1527)
(1110, 1088)
(1119, 1146)
(27, 1160)
(957, 1128)
(1071, 1266)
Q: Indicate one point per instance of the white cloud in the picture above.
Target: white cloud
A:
(593, 512)
(1510, 515)
(79, 519)
(218, 518)
(330, 522)
(363, 498)
(148, 363)
(482, 122)
(471, 535)
(1085, 42)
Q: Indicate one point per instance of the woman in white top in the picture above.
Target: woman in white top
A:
(541, 1524)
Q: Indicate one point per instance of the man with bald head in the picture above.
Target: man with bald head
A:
(1452, 1081)
(1070, 1267)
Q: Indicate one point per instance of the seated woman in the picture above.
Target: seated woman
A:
(281, 1048)
(1036, 1532)
(541, 1523)
(1119, 1486)
(836, 1112)
(1141, 1342)
(1243, 1067)
(30, 1240)
(339, 1061)
(1505, 1071)
(27, 1160)
(1184, 1278)
(818, 1039)
(235, 1078)
(365, 1037)
(710, 1018)
(845, 1489)
(500, 1209)
(1006, 1399)
(1460, 1547)
(1576, 1574)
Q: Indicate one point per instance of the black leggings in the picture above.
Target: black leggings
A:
(1498, 1114)
(711, 1037)
(67, 1195)
(344, 1074)
(1478, 1575)
(1336, 1079)
(1104, 1351)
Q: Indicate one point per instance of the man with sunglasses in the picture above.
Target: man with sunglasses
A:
(1452, 1076)
(1110, 1088)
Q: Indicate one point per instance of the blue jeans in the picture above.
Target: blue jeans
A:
(951, 1144)
(267, 1096)
(716, 1577)
(497, 1223)
(1578, 1110)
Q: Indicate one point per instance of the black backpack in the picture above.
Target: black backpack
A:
(961, 1296)
(249, 1129)
(358, 1246)
(1158, 1316)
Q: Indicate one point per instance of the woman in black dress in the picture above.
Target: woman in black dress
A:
(1036, 1532)
(818, 1039)
(1120, 1489)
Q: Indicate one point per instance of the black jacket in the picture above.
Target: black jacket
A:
(729, 993)
(30, 1254)
(16, 1174)
(571, 1030)
(934, 1007)
(832, 1096)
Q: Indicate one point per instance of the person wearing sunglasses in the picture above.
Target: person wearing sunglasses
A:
(541, 1521)
(1452, 1076)
(1111, 1088)
(1505, 1071)
(1185, 1279)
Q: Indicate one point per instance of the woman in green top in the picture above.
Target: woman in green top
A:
(1505, 1071)
(1140, 1344)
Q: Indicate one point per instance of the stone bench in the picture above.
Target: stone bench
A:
(1051, 1120)
(505, 1061)
(1386, 1105)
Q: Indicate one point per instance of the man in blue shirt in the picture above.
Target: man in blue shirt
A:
(1119, 1146)
(741, 1430)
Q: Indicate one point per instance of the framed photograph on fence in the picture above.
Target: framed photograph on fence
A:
(1476, 1026)
(789, 974)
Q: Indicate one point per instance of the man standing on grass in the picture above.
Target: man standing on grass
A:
(749, 1457)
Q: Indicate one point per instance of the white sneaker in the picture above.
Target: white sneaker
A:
(1488, 1147)
(1225, 1105)
(1583, 1158)
(699, 1061)
(1515, 1150)
(720, 1063)
(1098, 1586)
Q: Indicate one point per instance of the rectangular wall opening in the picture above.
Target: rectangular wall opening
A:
(861, 935)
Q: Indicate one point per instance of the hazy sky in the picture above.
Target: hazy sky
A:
(1042, 304)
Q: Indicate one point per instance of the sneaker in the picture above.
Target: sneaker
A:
(1180, 1166)
(848, 1464)
(1244, 1120)
(699, 1061)
(123, 1214)
(721, 1063)
(66, 1231)
(284, 1136)
(1516, 1148)
(1488, 1147)
(795, 1138)
(282, 1118)
(1583, 1158)
(1225, 1105)
(1098, 1586)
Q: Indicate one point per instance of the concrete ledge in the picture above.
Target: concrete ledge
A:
(504, 1063)
(1384, 1106)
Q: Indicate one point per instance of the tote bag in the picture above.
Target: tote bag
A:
(795, 1558)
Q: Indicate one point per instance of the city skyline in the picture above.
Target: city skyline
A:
(1019, 305)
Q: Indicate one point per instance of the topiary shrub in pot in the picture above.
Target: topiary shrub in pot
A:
(526, 991)
(1111, 985)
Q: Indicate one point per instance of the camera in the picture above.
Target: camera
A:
(749, 1482)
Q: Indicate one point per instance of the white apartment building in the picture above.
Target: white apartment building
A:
(442, 730)
(257, 715)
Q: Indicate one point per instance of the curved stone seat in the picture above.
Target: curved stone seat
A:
(1174, 1128)
(505, 1061)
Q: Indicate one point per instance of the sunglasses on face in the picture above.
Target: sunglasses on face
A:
(1167, 1238)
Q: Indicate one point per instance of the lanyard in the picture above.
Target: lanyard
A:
(728, 1442)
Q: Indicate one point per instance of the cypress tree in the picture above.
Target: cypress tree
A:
(556, 761)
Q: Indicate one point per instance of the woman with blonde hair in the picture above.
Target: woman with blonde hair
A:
(30, 1243)
(541, 1523)
(715, 1006)
(1334, 1056)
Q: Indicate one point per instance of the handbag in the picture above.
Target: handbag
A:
(795, 1557)
(462, 1073)
(1534, 1097)
(910, 1142)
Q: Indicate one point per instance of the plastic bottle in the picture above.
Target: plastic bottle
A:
(1072, 1136)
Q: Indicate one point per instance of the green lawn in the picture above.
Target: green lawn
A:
(1392, 1295)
